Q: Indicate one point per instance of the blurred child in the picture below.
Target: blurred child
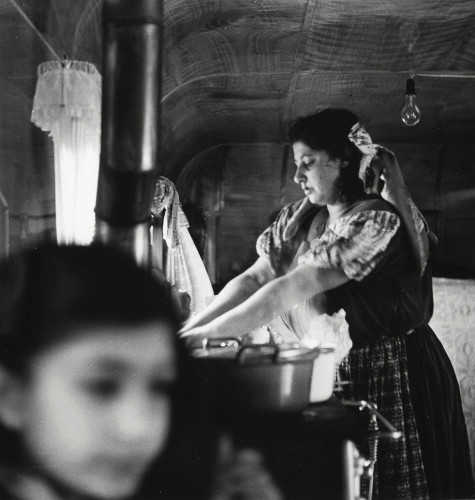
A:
(90, 370)
(97, 400)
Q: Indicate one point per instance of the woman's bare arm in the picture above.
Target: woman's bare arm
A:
(234, 293)
(276, 297)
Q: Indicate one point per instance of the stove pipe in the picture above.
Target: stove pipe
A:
(130, 124)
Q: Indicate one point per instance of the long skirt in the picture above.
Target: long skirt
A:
(413, 384)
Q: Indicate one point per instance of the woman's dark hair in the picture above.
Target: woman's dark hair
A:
(328, 131)
(46, 291)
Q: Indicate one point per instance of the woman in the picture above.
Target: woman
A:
(344, 246)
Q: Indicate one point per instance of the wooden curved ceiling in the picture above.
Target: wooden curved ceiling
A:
(236, 71)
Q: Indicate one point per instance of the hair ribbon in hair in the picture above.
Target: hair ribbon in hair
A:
(362, 140)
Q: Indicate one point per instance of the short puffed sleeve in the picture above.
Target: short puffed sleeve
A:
(354, 244)
(272, 245)
(272, 239)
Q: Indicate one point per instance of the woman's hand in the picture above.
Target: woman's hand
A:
(387, 176)
(197, 336)
(391, 173)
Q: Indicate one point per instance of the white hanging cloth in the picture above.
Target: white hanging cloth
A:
(67, 103)
(183, 267)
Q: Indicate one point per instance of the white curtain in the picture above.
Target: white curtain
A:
(67, 104)
(454, 323)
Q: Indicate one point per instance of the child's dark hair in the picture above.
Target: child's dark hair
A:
(46, 291)
(328, 131)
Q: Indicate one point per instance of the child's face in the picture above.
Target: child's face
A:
(97, 409)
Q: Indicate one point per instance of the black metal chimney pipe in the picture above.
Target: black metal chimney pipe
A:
(131, 91)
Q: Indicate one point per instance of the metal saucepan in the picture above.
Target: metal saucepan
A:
(262, 378)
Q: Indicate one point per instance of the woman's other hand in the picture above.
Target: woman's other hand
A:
(182, 302)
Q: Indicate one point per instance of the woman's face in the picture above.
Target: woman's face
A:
(97, 407)
(317, 174)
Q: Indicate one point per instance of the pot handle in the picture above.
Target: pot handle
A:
(221, 342)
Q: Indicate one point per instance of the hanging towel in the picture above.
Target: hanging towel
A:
(183, 267)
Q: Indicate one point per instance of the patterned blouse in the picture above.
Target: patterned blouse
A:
(368, 244)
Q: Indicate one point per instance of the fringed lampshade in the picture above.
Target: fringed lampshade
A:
(67, 104)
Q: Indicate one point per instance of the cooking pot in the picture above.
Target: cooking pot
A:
(264, 378)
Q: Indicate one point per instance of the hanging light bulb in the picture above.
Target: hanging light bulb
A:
(410, 114)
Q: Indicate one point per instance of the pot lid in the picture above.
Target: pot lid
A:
(231, 348)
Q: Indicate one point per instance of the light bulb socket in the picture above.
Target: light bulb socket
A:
(410, 86)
